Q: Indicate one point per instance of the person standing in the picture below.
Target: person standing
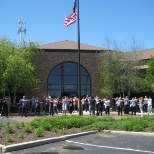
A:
(43, 104)
(70, 105)
(32, 107)
(50, 106)
(107, 105)
(4, 108)
(64, 105)
(75, 103)
(141, 100)
(24, 106)
(133, 106)
(100, 107)
(149, 103)
(87, 103)
(83, 103)
(37, 106)
(145, 105)
(92, 106)
(55, 104)
(119, 106)
(47, 102)
(97, 105)
(126, 105)
(116, 100)
(8, 102)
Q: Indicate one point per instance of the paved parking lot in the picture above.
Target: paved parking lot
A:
(107, 143)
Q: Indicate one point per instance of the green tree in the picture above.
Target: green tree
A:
(119, 73)
(18, 73)
(150, 73)
(7, 49)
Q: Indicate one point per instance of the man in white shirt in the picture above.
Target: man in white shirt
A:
(107, 105)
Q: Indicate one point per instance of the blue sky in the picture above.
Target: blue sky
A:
(119, 20)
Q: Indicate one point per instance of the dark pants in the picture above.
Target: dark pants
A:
(145, 108)
(50, 109)
(24, 110)
(47, 108)
(55, 110)
(91, 110)
(100, 111)
(97, 109)
(133, 109)
(70, 109)
(107, 110)
(37, 110)
(126, 109)
(119, 110)
(86, 107)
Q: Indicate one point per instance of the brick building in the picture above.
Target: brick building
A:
(57, 69)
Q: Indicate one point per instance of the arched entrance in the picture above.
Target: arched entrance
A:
(63, 80)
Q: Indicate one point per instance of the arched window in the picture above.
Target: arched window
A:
(63, 80)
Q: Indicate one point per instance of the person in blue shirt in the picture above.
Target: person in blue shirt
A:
(33, 102)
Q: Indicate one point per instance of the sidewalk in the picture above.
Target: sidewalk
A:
(14, 117)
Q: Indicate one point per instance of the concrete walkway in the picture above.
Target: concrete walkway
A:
(14, 117)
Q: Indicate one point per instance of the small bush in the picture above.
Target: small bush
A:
(17, 125)
(9, 129)
(21, 135)
(62, 131)
(9, 139)
(39, 132)
(46, 126)
(28, 130)
(22, 124)
(54, 129)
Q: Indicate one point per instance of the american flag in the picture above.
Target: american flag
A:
(72, 17)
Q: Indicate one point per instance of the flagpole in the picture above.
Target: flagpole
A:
(79, 79)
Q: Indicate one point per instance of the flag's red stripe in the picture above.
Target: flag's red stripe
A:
(70, 19)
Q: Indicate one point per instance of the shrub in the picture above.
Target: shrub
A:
(21, 135)
(17, 125)
(54, 129)
(39, 132)
(28, 130)
(9, 139)
(9, 129)
(62, 131)
(22, 124)
(46, 126)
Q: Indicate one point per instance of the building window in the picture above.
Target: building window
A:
(63, 80)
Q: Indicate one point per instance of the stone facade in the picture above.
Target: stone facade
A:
(49, 59)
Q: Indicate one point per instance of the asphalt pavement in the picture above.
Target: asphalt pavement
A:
(98, 143)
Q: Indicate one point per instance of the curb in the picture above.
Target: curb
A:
(20, 146)
(133, 133)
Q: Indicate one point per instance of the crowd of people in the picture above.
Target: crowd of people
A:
(144, 104)
(94, 105)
